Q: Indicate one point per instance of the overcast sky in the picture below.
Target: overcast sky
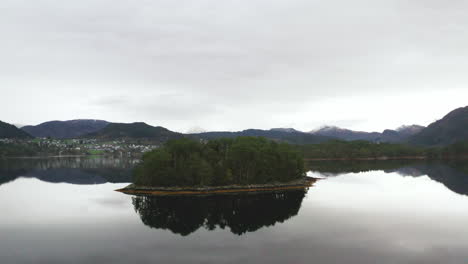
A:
(234, 64)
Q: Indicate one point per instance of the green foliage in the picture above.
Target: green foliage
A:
(17, 150)
(26, 149)
(242, 160)
(95, 152)
(337, 149)
(456, 150)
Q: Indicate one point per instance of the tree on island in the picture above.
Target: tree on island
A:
(242, 160)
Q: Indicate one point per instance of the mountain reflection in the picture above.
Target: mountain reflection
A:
(68, 170)
(241, 213)
(451, 173)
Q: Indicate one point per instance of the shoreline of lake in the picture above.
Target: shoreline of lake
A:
(133, 189)
(56, 156)
(390, 158)
(371, 158)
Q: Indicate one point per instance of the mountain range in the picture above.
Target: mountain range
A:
(289, 136)
(66, 129)
(450, 129)
(399, 135)
(138, 130)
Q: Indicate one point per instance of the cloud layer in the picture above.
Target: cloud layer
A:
(230, 65)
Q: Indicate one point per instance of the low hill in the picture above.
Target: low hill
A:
(288, 136)
(10, 131)
(399, 135)
(450, 129)
(66, 129)
(138, 130)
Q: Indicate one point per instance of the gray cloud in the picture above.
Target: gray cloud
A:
(231, 64)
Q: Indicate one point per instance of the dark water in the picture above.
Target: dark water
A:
(65, 211)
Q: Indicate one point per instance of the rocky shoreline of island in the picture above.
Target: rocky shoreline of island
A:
(302, 183)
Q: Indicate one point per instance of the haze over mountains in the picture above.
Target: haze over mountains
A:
(450, 129)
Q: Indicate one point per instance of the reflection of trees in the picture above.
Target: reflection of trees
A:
(241, 213)
(68, 170)
(335, 167)
(451, 173)
(68, 163)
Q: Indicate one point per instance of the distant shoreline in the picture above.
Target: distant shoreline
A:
(390, 158)
(371, 158)
(305, 159)
(54, 156)
(214, 190)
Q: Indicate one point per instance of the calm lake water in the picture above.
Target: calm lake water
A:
(66, 211)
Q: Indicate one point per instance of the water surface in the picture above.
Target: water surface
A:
(66, 211)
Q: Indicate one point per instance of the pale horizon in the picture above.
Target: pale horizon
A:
(223, 65)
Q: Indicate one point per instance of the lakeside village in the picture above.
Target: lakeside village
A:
(65, 147)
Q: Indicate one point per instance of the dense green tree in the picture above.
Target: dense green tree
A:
(242, 160)
(337, 149)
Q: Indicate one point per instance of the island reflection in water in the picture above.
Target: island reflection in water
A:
(387, 212)
(241, 213)
(73, 170)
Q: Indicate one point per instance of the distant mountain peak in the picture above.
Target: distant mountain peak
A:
(409, 127)
(285, 129)
(87, 120)
(409, 130)
(326, 128)
(134, 123)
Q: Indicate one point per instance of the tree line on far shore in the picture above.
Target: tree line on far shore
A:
(256, 160)
(338, 149)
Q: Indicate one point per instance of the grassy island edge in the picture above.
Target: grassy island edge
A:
(302, 183)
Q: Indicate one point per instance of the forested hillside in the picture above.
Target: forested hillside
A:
(10, 131)
(450, 129)
(65, 129)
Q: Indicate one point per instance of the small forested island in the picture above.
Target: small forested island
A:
(186, 166)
